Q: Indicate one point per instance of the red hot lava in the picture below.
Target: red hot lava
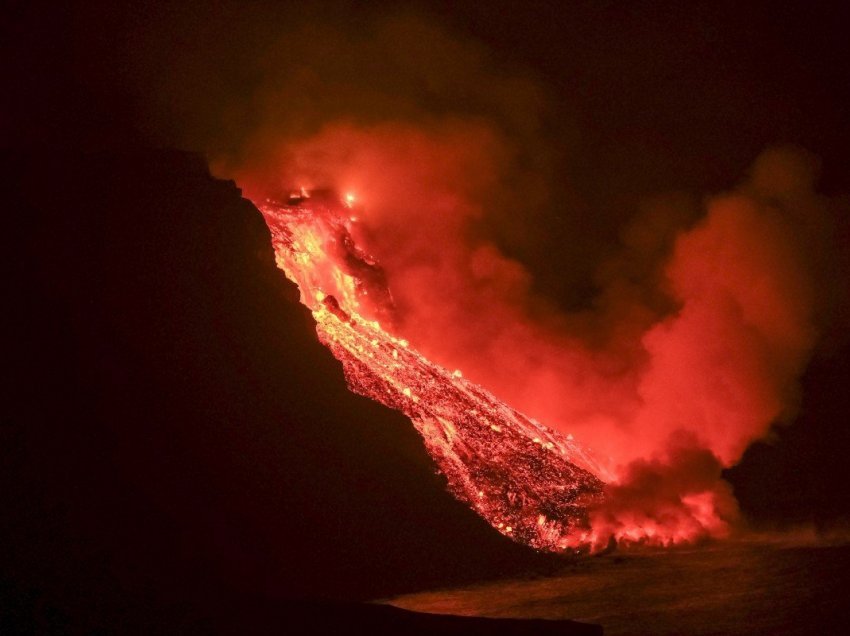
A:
(527, 481)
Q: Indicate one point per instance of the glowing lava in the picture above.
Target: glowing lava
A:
(529, 482)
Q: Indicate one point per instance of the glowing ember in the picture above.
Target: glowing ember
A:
(529, 482)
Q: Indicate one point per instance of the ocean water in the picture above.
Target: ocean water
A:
(745, 587)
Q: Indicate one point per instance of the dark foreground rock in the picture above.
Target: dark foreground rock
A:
(174, 435)
(384, 619)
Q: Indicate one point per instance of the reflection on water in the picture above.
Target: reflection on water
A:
(733, 588)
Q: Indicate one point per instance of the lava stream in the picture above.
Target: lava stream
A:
(529, 482)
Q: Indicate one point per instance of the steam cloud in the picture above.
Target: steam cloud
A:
(705, 318)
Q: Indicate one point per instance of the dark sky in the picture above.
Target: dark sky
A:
(633, 100)
(688, 93)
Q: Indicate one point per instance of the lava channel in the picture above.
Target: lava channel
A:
(529, 482)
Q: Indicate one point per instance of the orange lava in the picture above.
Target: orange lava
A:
(529, 482)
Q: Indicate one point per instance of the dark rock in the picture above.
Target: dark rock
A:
(336, 618)
(174, 432)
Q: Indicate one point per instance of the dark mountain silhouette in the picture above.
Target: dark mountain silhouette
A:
(177, 438)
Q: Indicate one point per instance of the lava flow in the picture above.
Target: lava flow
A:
(529, 482)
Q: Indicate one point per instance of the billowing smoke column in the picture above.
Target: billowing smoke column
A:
(689, 350)
(665, 401)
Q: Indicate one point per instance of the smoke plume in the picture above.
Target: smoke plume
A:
(705, 315)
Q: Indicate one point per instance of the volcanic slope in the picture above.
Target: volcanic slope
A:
(177, 437)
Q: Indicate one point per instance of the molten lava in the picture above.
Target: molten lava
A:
(529, 482)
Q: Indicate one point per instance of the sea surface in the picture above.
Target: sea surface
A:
(744, 587)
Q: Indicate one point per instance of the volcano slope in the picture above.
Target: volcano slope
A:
(178, 445)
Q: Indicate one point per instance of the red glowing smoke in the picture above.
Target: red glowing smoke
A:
(703, 320)
(665, 400)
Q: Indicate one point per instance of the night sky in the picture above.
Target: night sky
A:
(627, 101)
(176, 440)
